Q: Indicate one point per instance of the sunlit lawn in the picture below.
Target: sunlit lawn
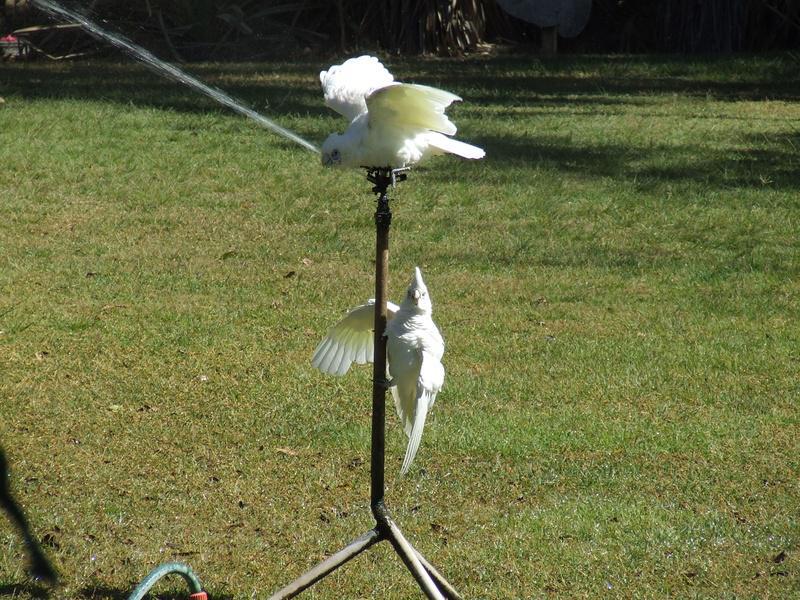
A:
(618, 284)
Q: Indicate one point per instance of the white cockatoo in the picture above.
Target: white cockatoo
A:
(414, 349)
(392, 124)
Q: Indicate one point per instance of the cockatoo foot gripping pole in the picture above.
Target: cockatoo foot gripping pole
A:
(429, 579)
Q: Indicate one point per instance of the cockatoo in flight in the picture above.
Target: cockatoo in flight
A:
(392, 124)
(414, 354)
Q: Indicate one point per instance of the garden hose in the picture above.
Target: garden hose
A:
(160, 571)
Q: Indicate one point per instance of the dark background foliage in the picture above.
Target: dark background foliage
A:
(224, 29)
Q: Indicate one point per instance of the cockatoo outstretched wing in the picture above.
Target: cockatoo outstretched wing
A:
(350, 340)
(430, 381)
(347, 86)
(416, 109)
(412, 106)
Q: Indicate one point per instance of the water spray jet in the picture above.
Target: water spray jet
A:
(166, 69)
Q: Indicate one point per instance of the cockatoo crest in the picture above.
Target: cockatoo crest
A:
(417, 298)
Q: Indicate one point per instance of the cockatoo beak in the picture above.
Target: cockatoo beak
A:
(417, 285)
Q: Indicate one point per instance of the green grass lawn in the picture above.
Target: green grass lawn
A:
(618, 285)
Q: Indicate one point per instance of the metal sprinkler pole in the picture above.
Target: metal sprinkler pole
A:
(430, 581)
(383, 221)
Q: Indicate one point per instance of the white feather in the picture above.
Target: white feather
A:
(347, 86)
(426, 396)
(349, 341)
(411, 107)
(391, 124)
(414, 352)
(451, 146)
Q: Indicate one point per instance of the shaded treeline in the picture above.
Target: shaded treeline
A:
(218, 29)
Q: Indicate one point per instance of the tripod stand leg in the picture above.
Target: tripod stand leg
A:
(328, 565)
(444, 585)
(411, 559)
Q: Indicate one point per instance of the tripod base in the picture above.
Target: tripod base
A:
(430, 581)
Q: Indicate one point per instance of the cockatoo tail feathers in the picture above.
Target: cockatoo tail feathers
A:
(429, 382)
(415, 436)
(451, 146)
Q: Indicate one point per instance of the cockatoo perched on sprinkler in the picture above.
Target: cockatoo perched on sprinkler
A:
(392, 124)
(414, 349)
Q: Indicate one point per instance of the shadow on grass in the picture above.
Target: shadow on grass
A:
(292, 86)
(586, 90)
(107, 593)
(131, 83)
(775, 166)
(15, 590)
(754, 77)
